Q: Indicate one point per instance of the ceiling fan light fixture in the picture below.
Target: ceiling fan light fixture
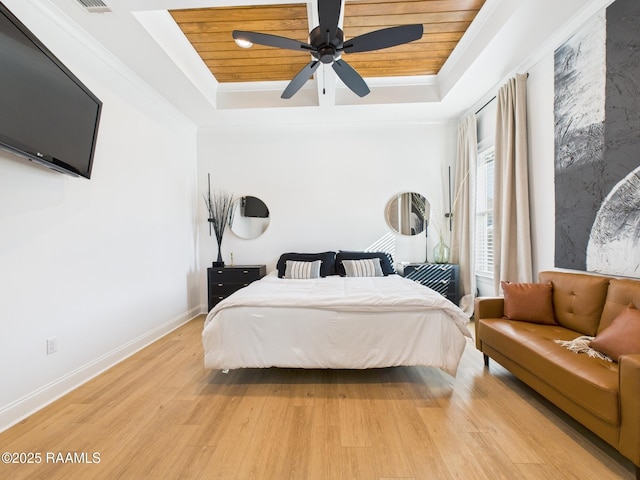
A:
(242, 43)
(326, 44)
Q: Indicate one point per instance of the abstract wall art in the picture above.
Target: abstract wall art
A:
(597, 144)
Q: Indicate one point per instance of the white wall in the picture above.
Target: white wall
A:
(326, 186)
(105, 265)
(540, 93)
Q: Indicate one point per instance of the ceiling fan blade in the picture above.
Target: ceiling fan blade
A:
(351, 78)
(271, 40)
(329, 16)
(300, 79)
(385, 38)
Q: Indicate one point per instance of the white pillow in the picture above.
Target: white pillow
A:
(366, 267)
(301, 270)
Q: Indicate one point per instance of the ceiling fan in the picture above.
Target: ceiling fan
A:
(326, 45)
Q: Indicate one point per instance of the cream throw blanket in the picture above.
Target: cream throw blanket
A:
(581, 345)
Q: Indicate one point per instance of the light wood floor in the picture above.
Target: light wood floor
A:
(161, 415)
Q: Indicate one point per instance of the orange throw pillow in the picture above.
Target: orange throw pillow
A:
(529, 302)
(622, 337)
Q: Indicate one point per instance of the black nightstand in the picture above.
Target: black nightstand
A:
(444, 278)
(223, 281)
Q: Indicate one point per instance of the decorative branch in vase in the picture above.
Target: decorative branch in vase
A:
(442, 252)
(221, 210)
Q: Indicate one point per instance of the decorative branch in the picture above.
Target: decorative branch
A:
(438, 223)
(221, 210)
(452, 208)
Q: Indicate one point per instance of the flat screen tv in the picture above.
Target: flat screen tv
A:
(46, 114)
(254, 207)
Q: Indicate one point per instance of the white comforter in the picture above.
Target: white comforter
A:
(335, 322)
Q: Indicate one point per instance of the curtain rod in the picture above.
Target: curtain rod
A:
(482, 107)
(492, 99)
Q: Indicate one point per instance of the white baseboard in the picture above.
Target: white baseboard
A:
(40, 398)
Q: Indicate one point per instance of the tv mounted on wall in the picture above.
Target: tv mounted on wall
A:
(46, 114)
(254, 207)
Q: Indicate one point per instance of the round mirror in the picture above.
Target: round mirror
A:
(250, 218)
(408, 213)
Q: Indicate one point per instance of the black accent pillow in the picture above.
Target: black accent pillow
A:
(386, 261)
(327, 268)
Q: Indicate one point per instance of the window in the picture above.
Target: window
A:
(484, 213)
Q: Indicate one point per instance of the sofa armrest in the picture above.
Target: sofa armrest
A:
(487, 307)
(629, 443)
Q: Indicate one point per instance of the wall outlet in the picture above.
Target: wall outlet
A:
(52, 345)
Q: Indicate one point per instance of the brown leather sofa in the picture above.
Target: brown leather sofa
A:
(603, 396)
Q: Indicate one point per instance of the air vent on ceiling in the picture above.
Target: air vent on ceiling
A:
(94, 6)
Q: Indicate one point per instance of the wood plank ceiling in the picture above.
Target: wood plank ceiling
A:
(209, 31)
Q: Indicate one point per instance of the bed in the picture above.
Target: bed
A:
(337, 322)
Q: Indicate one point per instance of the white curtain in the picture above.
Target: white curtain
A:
(512, 237)
(464, 212)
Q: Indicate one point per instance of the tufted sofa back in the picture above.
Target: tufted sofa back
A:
(578, 299)
(622, 292)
